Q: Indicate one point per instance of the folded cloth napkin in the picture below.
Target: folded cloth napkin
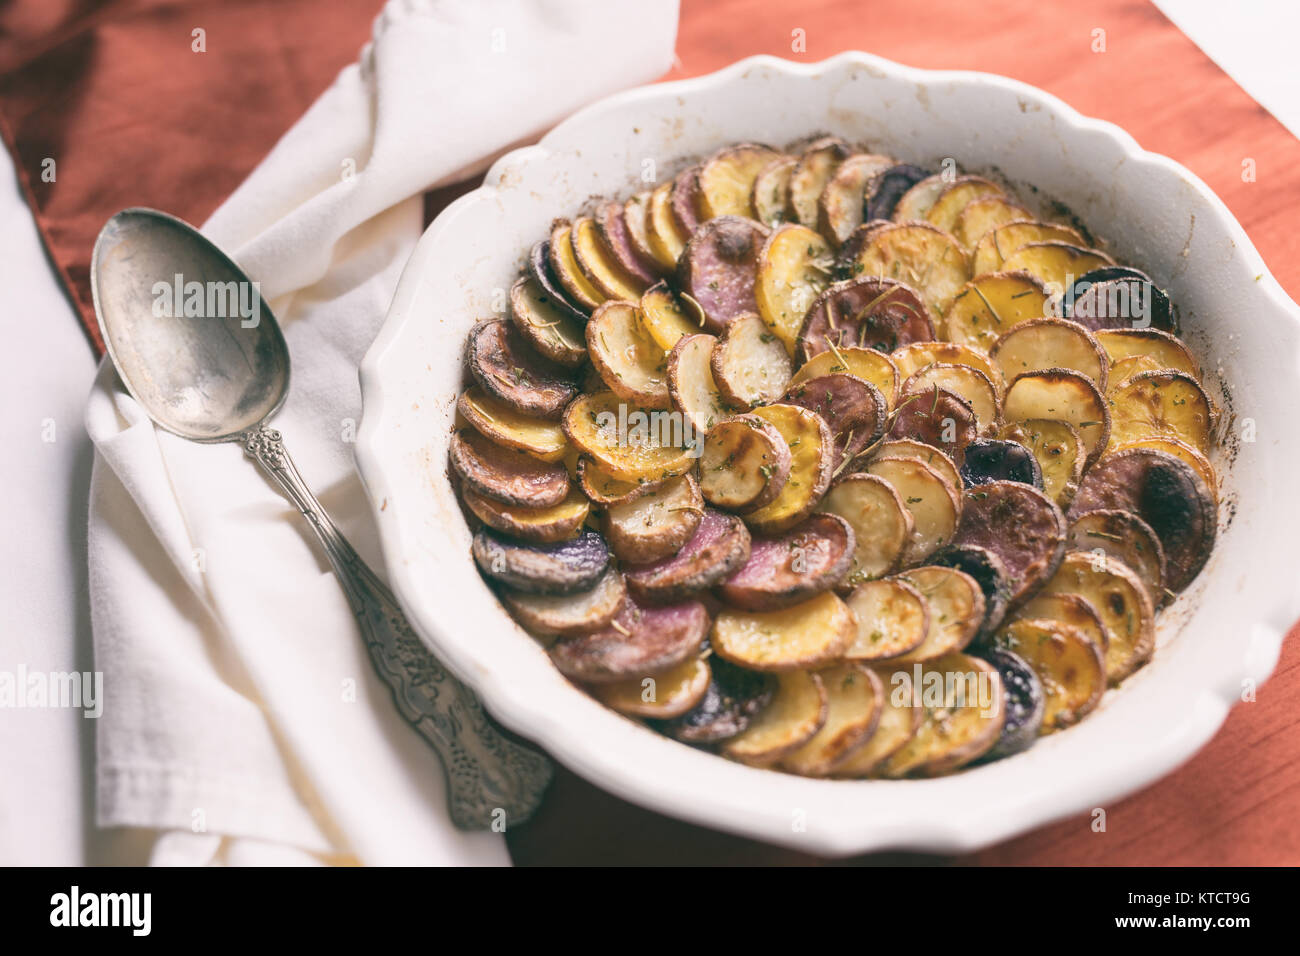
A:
(242, 720)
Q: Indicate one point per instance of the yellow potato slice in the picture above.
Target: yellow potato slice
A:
(996, 244)
(750, 364)
(662, 696)
(1051, 343)
(807, 634)
(956, 610)
(655, 524)
(542, 525)
(1121, 599)
(554, 333)
(631, 363)
(666, 318)
(893, 618)
(917, 202)
(1163, 404)
(771, 186)
(811, 459)
(1070, 609)
(991, 305)
(602, 488)
(744, 465)
(1059, 450)
(1056, 264)
(936, 458)
(1061, 395)
(881, 523)
(666, 238)
(690, 382)
(1070, 667)
(910, 359)
(797, 711)
(1181, 450)
(1161, 347)
(809, 177)
(933, 503)
(726, 181)
(964, 710)
(1126, 538)
(840, 208)
(565, 266)
(794, 267)
(867, 364)
(954, 200)
(855, 698)
(580, 613)
(598, 266)
(1121, 370)
(508, 428)
(899, 720)
(628, 442)
(923, 256)
(966, 383)
(982, 215)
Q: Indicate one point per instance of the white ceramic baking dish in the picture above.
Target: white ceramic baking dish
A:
(1221, 637)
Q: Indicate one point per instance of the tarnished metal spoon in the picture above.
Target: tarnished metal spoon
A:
(199, 349)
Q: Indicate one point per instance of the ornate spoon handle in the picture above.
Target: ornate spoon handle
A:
(491, 781)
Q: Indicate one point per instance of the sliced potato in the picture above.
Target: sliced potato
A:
(784, 569)
(892, 617)
(840, 208)
(991, 305)
(683, 200)
(719, 546)
(952, 202)
(771, 186)
(794, 267)
(1059, 451)
(1056, 264)
(910, 359)
(1122, 601)
(666, 238)
(916, 203)
(639, 642)
(923, 256)
(539, 269)
(750, 364)
(869, 365)
(632, 267)
(967, 383)
(1118, 297)
(599, 265)
(936, 417)
(964, 710)
(691, 385)
(1160, 347)
(809, 634)
(744, 465)
(810, 175)
(542, 525)
(631, 363)
(548, 328)
(982, 215)
(1071, 668)
(508, 428)
(797, 711)
(1070, 609)
(956, 611)
(919, 450)
(719, 267)
(882, 525)
(726, 181)
(854, 410)
(899, 720)
(997, 244)
(655, 524)
(636, 216)
(506, 367)
(997, 459)
(855, 698)
(666, 318)
(867, 312)
(988, 571)
(734, 699)
(1019, 524)
(1127, 538)
(564, 265)
(1180, 450)
(934, 504)
(1062, 395)
(1163, 404)
(886, 188)
(811, 456)
(564, 568)
(550, 615)
(602, 488)
(1050, 343)
(505, 474)
(666, 695)
(627, 442)
(1121, 370)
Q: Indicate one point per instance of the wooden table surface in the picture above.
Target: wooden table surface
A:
(1238, 801)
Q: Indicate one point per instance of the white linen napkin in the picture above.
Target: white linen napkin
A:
(242, 719)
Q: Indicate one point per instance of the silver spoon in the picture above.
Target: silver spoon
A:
(218, 377)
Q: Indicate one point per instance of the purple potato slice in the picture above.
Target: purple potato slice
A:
(564, 568)
(618, 240)
(886, 188)
(1019, 524)
(1117, 297)
(510, 370)
(719, 266)
(812, 557)
(1023, 700)
(938, 417)
(853, 408)
(868, 312)
(640, 642)
(683, 199)
(734, 698)
(719, 546)
(505, 474)
(539, 267)
(994, 459)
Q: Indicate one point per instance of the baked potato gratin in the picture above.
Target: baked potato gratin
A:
(834, 465)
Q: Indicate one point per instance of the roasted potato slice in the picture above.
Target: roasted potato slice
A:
(627, 442)
(919, 450)
(915, 204)
(690, 382)
(615, 242)
(1120, 298)
(952, 202)
(666, 318)
(797, 711)
(1121, 370)
(1055, 263)
(785, 569)
(539, 268)
(655, 524)
(869, 365)
(1121, 599)
(1070, 609)
(988, 571)
(882, 525)
(1127, 538)
(992, 304)
(631, 364)
(884, 190)
(639, 642)
(683, 200)
(934, 504)
(564, 265)
(1167, 494)
(719, 267)
(719, 546)
(1163, 404)
(810, 175)
(855, 698)
(892, 617)
(508, 428)
(540, 525)
(744, 465)
(1070, 667)
(995, 459)
(840, 208)
(1063, 395)
(667, 695)
(726, 181)
(956, 611)
(910, 359)
(997, 244)
(1180, 450)
(964, 715)
(771, 186)
(1025, 703)
(666, 238)
(811, 456)
(899, 720)
(1019, 524)
(636, 218)
(936, 417)
(853, 409)
(794, 267)
(1059, 451)
(508, 369)
(548, 326)
(1050, 343)
(578, 613)
(922, 255)
(967, 383)
(505, 474)
(804, 635)
(600, 265)
(750, 364)
(603, 489)
(564, 568)
(733, 700)
(868, 312)
(982, 215)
